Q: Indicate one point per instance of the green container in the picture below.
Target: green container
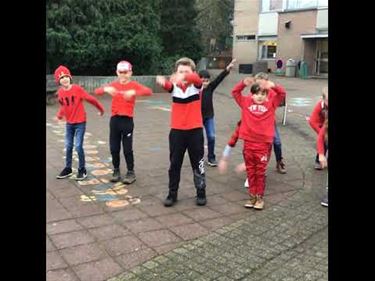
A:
(303, 70)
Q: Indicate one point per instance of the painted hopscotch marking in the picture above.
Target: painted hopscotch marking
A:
(103, 190)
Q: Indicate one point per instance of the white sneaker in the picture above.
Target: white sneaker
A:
(246, 184)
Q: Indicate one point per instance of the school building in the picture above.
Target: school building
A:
(271, 30)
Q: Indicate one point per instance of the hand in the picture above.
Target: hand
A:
(230, 65)
(160, 80)
(269, 84)
(323, 161)
(240, 168)
(248, 81)
(222, 166)
(110, 90)
(173, 78)
(56, 119)
(178, 78)
(128, 94)
(101, 113)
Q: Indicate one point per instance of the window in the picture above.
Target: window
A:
(271, 5)
(268, 50)
(302, 4)
(245, 37)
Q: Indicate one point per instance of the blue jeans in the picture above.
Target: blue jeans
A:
(209, 126)
(78, 131)
(277, 145)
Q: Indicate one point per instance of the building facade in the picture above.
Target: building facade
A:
(271, 30)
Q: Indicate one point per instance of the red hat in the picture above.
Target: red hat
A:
(124, 66)
(60, 72)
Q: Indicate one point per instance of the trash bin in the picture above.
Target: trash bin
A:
(290, 69)
(303, 70)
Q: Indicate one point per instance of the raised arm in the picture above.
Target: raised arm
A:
(222, 75)
(238, 88)
(280, 93)
(164, 83)
(193, 78)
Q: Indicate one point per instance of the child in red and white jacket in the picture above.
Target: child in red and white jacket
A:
(322, 150)
(71, 97)
(123, 91)
(257, 130)
(186, 128)
(317, 118)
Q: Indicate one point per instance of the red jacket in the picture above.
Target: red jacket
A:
(120, 105)
(71, 104)
(258, 120)
(186, 106)
(318, 116)
(321, 140)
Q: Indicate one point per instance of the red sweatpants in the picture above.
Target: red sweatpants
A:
(257, 156)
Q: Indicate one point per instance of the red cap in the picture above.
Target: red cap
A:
(60, 72)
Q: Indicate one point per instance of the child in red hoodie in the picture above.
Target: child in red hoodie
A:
(317, 118)
(257, 130)
(322, 149)
(71, 97)
(186, 128)
(123, 92)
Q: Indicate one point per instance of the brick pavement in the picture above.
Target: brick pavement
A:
(89, 240)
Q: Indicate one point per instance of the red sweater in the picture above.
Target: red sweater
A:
(71, 105)
(120, 105)
(318, 116)
(321, 140)
(186, 106)
(258, 120)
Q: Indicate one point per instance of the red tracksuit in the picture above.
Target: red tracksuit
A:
(257, 131)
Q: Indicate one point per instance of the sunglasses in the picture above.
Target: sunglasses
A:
(123, 72)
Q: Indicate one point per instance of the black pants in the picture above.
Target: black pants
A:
(179, 141)
(121, 129)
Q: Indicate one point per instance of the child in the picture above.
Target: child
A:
(257, 130)
(280, 164)
(208, 108)
(223, 163)
(317, 118)
(123, 92)
(186, 128)
(322, 145)
(71, 97)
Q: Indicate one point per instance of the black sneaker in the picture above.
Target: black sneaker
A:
(201, 197)
(67, 172)
(317, 166)
(212, 162)
(82, 174)
(171, 199)
(129, 177)
(116, 176)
